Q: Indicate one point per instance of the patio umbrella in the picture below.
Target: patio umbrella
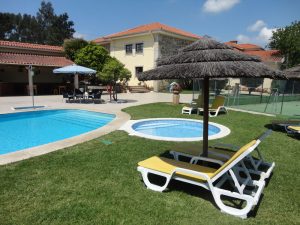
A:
(207, 59)
(75, 69)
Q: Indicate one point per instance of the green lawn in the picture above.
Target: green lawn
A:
(95, 183)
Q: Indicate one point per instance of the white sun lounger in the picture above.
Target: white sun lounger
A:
(224, 152)
(193, 106)
(208, 178)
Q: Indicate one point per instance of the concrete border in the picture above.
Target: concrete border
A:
(116, 123)
(128, 127)
(251, 112)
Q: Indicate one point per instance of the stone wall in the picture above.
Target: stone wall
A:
(169, 45)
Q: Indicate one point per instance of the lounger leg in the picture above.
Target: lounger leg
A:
(216, 113)
(242, 213)
(145, 172)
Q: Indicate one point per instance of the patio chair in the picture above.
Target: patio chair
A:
(223, 152)
(97, 96)
(216, 106)
(78, 94)
(193, 106)
(68, 96)
(208, 178)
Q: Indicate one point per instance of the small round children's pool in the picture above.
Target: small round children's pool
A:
(171, 129)
(29, 129)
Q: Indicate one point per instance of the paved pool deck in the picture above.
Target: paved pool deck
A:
(56, 102)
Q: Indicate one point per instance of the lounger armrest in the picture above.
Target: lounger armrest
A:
(226, 146)
(192, 172)
(195, 159)
(264, 135)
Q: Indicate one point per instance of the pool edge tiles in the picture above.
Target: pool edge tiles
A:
(117, 121)
(129, 128)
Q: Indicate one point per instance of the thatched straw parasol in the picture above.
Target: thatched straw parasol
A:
(293, 73)
(207, 58)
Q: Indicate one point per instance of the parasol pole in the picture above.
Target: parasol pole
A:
(193, 89)
(205, 115)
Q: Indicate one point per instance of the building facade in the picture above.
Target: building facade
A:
(272, 58)
(16, 57)
(139, 48)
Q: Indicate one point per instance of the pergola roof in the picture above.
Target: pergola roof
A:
(30, 46)
(35, 60)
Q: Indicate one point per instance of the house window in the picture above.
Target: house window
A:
(138, 69)
(139, 47)
(128, 49)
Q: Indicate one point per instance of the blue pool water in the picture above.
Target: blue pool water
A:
(28, 129)
(173, 128)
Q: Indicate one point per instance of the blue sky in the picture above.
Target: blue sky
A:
(249, 21)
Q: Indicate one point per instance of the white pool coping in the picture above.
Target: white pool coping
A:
(128, 127)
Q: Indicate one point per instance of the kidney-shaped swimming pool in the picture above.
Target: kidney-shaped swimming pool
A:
(29, 129)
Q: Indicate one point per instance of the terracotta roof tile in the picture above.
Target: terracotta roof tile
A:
(35, 60)
(251, 49)
(266, 55)
(30, 46)
(149, 27)
(244, 47)
(250, 46)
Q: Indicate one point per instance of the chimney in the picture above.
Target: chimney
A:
(233, 41)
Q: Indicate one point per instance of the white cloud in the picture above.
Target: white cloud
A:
(265, 34)
(259, 34)
(79, 35)
(258, 25)
(241, 38)
(216, 6)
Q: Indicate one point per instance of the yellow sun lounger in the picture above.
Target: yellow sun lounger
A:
(216, 106)
(224, 152)
(193, 106)
(293, 129)
(208, 178)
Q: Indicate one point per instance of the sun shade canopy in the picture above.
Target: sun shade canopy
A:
(75, 69)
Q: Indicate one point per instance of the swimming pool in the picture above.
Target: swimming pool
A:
(172, 129)
(29, 129)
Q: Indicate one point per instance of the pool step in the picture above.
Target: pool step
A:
(81, 121)
(154, 126)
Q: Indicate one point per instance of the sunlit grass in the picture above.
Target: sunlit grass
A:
(97, 183)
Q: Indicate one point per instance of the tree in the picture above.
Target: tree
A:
(72, 46)
(114, 70)
(53, 28)
(45, 17)
(7, 25)
(28, 28)
(109, 69)
(287, 41)
(92, 56)
(45, 28)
